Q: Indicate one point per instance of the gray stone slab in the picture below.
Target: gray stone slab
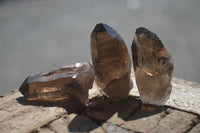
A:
(160, 120)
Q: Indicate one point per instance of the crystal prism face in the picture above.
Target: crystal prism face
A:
(111, 62)
(69, 82)
(153, 67)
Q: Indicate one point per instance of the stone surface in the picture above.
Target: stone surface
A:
(160, 119)
(196, 129)
(69, 82)
(181, 115)
(20, 117)
(153, 67)
(69, 123)
(111, 62)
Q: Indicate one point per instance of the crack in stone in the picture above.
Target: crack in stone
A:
(95, 122)
(118, 127)
(163, 115)
(198, 115)
(47, 125)
(132, 113)
(193, 124)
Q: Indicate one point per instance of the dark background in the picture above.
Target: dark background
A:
(40, 35)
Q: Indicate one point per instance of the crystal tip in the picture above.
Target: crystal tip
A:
(141, 30)
(99, 28)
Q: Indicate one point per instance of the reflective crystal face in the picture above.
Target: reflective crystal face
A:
(111, 62)
(153, 67)
(69, 82)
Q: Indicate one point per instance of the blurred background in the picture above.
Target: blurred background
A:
(40, 35)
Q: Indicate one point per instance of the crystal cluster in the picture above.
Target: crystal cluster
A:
(111, 62)
(153, 67)
(69, 82)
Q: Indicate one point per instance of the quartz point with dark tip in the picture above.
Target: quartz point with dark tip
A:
(68, 82)
(153, 67)
(111, 62)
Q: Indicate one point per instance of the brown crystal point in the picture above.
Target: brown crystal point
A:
(153, 67)
(68, 82)
(111, 62)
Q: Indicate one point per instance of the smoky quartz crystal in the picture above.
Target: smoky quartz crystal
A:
(153, 67)
(69, 82)
(111, 62)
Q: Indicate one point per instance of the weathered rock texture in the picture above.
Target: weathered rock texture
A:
(180, 114)
(69, 82)
(111, 62)
(153, 67)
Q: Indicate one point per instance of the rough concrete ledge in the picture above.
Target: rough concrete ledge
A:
(180, 114)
